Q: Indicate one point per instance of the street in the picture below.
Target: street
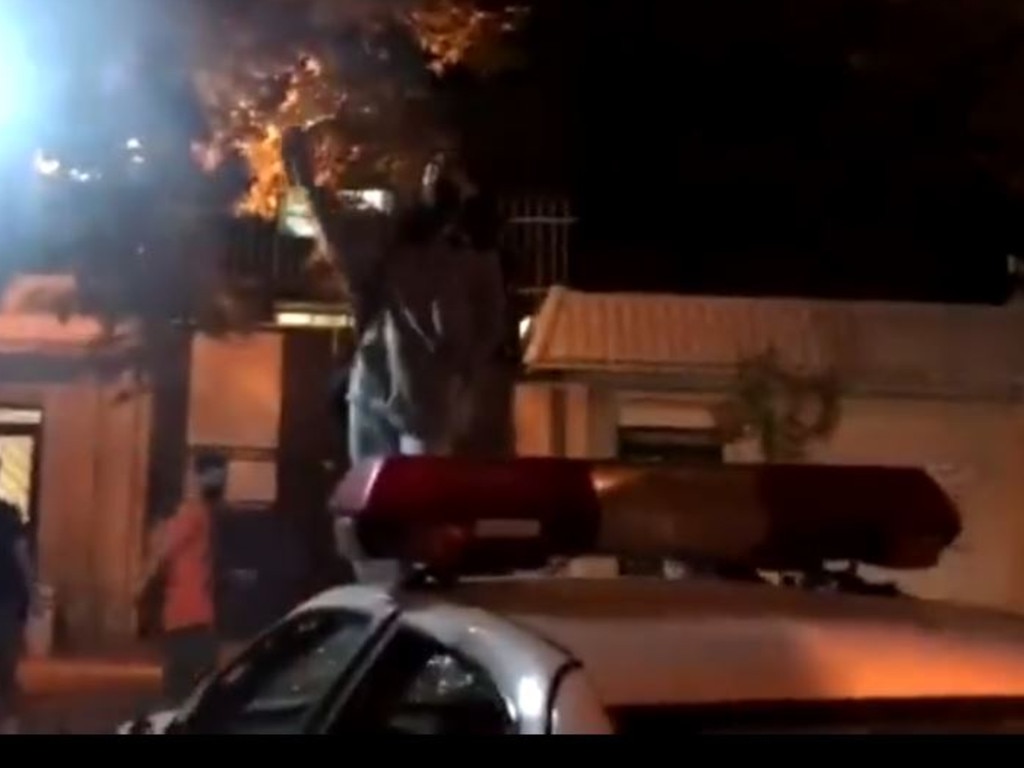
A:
(85, 696)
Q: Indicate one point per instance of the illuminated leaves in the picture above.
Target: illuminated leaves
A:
(355, 70)
(454, 33)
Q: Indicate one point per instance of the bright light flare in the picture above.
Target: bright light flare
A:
(18, 81)
(45, 165)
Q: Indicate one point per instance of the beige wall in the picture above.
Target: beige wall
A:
(976, 450)
(92, 492)
(533, 406)
(235, 403)
(591, 416)
(235, 391)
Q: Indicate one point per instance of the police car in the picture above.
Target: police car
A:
(492, 601)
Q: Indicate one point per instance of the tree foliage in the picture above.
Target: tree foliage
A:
(164, 118)
(784, 410)
(358, 73)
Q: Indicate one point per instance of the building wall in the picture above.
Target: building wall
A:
(534, 416)
(264, 399)
(234, 405)
(92, 497)
(976, 450)
(235, 391)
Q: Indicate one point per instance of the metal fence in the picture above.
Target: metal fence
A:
(255, 251)
(535, 241)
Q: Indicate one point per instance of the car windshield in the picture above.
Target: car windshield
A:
(274, 687)
(928, 715)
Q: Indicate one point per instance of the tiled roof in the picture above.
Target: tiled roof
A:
(46, 334)
(896, 345)
(30, 322)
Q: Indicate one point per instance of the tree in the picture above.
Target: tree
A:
(785, 411)
(361, 73)
(146, 147)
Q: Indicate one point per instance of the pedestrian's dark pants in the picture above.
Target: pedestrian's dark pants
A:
(12, 628)
(189, 654)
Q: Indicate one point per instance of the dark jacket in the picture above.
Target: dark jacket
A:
(429, 312)
(437, 325)
(13, 589)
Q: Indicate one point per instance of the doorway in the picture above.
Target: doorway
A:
(20, 443)
(684, 446)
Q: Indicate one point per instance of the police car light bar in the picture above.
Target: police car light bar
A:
(474, 517)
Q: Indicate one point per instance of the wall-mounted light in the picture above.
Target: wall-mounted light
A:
(299, 319)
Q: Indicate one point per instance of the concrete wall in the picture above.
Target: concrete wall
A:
(92, 492)
(235, 391)
(976, 450)
(235, 404)
(534, 406)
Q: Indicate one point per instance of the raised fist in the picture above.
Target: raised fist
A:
(298, 157)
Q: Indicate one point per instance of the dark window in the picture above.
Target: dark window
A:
(284, 678)
(930, 715)
(686, 446)
(418, 687)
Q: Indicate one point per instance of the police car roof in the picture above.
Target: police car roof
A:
(650, 641)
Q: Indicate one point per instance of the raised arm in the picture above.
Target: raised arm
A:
(357, 252)
(297, 154)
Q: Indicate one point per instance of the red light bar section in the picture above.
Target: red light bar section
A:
(500, 515)
(778, 517)
(492, 516)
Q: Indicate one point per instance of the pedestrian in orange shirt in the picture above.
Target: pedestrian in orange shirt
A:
(181, 564)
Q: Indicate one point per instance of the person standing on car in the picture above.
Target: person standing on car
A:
(181, 561)
(17, 599)
(424, 306)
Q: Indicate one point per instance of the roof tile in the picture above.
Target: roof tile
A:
(913, 345)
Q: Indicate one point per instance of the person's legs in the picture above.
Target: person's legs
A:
(11, 634)
(410, 445)
(484, 416)
(370, 435)
(172, 674)
(189, 654)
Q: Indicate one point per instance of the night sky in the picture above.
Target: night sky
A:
(760, 146)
